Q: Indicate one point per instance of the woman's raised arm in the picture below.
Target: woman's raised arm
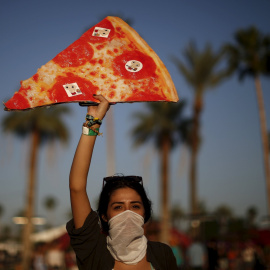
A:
(80, 203)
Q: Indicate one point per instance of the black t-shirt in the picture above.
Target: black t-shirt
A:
(91, 250)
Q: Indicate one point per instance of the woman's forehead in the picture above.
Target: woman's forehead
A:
(125, 194)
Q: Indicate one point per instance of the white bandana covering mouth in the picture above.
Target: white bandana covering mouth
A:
(126, 241)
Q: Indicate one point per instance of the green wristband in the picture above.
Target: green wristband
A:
(90, 132)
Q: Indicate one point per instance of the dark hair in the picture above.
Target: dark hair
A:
(110, 187)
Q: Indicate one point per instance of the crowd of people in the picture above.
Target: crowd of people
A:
(220, 255)
(46, 256)
(212, 255)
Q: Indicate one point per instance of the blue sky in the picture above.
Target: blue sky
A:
(230, 160)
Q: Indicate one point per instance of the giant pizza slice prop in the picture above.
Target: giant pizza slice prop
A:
(109, 59)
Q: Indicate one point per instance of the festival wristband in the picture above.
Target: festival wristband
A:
(90, 131)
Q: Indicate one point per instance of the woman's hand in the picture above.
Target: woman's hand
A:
(101, 109)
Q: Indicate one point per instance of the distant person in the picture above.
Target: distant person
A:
(223, 257)
(70, 260)
(39, 262)
(196, 255)
(212, 254)
(260, 263)
(55, 257)
(177, 252)
(248, 256)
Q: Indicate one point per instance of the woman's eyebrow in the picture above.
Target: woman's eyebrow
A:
(136, 202)
(117, 203)
(123, 202)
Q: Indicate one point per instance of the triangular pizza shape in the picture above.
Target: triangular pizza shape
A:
(109, 59)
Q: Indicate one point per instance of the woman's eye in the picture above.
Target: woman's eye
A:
(136, 206)
(117, 207)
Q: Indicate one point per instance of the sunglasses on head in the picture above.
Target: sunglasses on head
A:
(131, 178)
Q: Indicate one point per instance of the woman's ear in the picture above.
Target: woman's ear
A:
(104, 218)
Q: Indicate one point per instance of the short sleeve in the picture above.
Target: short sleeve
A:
(170, 258)
(161, 256)
(84, 240)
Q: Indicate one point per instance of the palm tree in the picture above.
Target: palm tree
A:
(1, 210)
(50, 203)
(250, 56)
(251, 215)
(177, 213)
(200, 71)
(44, 126)
(1, 213)
(269, 142)
(162, 123)
(223, 212)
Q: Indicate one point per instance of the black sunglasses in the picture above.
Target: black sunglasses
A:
(131, 178)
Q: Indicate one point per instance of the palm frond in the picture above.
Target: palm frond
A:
(250, 52)
(200, 68)
(47, 122)
(159, 121)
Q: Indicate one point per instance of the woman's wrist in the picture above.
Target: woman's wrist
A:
(91, 126)
(95, 115)
(92, 120)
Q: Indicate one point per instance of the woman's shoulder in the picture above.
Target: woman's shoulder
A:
(156, 244)
(91, 222)
(89, 243)
(159, 248)
(160, 255)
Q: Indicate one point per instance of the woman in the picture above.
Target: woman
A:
(123, 210)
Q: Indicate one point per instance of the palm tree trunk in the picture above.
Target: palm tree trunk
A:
(110, 143)
(194, 155)
(193, 183)
(165, 214)
(30, 199)
(265, 143)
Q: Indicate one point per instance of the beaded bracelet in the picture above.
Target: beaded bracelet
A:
(92, 120)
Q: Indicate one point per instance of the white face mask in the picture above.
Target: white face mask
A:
(126, 241)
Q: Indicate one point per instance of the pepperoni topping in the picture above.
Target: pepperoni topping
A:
(111, 94)
(35, 77)
(88, 36)
(93, 61)
(148, 70)
(99, 47)
(77, 54)
(132, 46)
(148, 92)
(18, 101)
(58, 94)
